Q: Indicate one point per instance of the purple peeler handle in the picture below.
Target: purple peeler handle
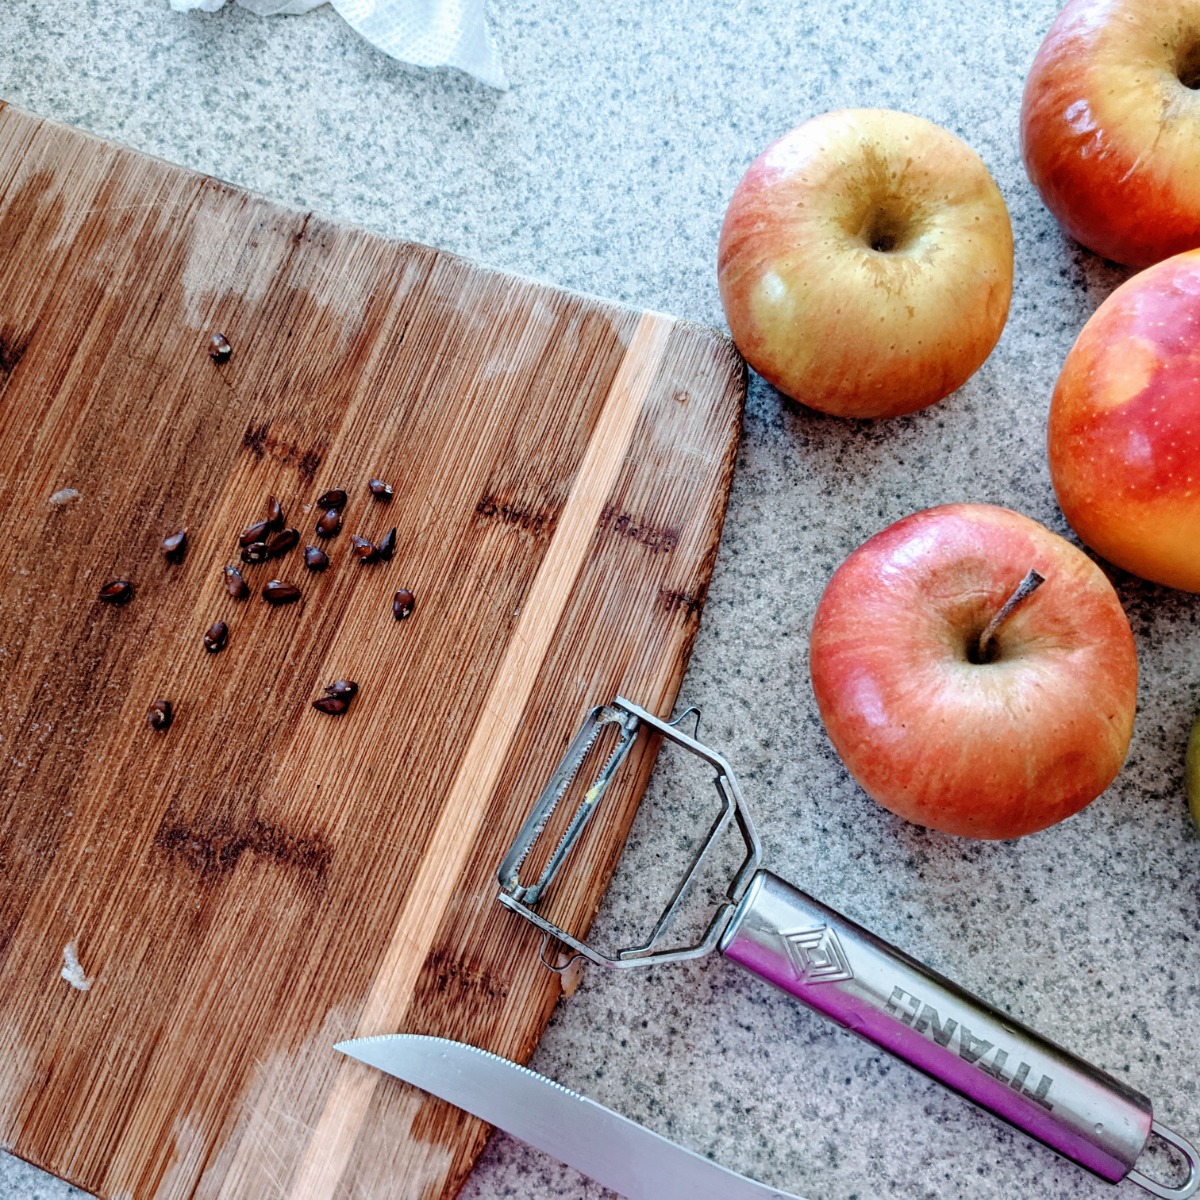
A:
(870, 988)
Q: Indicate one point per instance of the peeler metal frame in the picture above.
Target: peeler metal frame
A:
(855, 979)
(628, 718)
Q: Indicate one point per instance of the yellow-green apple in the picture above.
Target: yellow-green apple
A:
(958, 696)
(1110, 126)
(865, 263)
(1124, 431)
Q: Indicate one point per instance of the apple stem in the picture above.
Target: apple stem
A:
(1025, 589)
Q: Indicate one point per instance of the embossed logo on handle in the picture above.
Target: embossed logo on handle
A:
(817, 955)
(925, 1019)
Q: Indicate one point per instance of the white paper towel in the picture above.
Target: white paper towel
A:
(427, 33)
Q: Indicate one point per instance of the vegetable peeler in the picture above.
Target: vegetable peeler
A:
(845, 973)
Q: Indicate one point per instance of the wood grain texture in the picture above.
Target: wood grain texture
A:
(261, 880)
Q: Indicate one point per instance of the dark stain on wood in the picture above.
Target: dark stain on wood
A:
(523, 517)
(255, 438)
(691, 604)
(309, 465)
(447, 973)
(300, 233)
(13, 345)
(213, 848)
(626, 525)
(262, 443)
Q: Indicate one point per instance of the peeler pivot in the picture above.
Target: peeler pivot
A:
(857, 980)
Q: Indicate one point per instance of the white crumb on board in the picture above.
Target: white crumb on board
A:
(72, 971)
(64, 496)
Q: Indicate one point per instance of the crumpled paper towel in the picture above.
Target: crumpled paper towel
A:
(427, 33)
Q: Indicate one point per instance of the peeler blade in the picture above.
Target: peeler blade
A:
(601, 718)
(611, 1149)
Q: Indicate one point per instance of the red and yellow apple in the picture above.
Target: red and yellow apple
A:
(991, 744)
(1124, 430)
(1110, 126)
(865, 263)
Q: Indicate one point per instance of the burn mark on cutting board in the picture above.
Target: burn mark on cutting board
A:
(300, 234)
(262, 443)
(212, 848)
(255, 439)
(656, 540)
(449, 975)
(691, 604)
(309, 465)
(538, 522)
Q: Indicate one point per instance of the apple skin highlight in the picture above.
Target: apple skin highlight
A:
(985, 750)
(1110, 126)
(1124, 428)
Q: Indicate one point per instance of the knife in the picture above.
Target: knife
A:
(613, 1150)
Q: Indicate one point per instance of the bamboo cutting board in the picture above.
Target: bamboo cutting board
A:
(260, 879)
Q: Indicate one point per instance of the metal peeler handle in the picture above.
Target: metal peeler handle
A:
(876, 991)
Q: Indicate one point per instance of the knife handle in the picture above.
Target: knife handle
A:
(876, 991)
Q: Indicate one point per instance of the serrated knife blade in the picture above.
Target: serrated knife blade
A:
(613, 1150)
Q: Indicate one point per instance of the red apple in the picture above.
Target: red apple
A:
(1124, 434)
(1110, 126)
(865, 263)
(991, 744)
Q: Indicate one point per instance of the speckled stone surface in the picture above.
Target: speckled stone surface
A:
(607, 168)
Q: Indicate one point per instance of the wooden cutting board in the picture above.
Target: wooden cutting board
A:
(260, 879)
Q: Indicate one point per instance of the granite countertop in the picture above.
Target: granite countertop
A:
(606, 168)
